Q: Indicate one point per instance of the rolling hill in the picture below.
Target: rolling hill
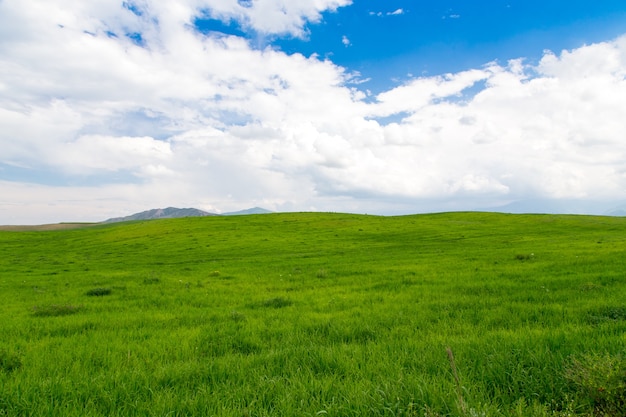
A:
(304, 314)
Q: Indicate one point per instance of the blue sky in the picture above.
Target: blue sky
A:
(393, 40)
(384, 107)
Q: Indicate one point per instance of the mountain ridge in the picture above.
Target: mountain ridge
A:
(174, 212)
(253, 210)
(160, 213)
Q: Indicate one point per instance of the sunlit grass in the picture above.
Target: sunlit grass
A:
(316, 314)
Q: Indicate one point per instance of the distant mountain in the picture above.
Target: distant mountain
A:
(253, 210)
(617, 211)
(564, 206)
(166, 213)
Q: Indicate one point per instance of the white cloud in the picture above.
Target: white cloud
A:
(94, 153)
(272, 16)
(396, 12)
(423, 91)
(346, 42)
(211, 122)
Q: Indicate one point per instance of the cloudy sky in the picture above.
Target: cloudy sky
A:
(111, 107)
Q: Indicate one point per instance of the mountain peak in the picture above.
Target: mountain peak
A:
(162, 213)
(174, 212)
(253, 210)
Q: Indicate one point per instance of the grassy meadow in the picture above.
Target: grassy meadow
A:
(316, 314)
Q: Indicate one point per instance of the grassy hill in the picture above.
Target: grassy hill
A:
(305, 314)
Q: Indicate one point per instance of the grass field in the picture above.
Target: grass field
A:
(303, 314)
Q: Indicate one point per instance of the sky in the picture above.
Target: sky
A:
(387, 107)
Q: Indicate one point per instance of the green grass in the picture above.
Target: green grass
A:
(303, 314)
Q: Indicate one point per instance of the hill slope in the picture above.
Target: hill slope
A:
(316, 313)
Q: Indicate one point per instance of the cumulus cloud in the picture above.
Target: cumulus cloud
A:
(132, 91)
(272, 16)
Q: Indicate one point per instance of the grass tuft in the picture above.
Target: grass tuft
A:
(601, 380)
(98, 292)
(9, 361)
(237, 316)
(590, 286)
(53, 310)
(277, 302)
(605, 314)
(457, 382)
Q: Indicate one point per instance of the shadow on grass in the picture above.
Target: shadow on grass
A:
(53, 310)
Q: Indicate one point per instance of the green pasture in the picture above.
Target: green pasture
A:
(310, 314)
